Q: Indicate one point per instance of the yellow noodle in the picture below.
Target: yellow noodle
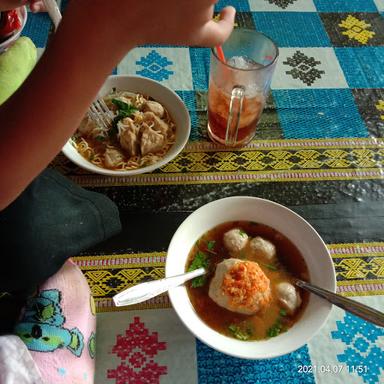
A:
(96, 154)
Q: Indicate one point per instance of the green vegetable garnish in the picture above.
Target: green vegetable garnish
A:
(211, 244)
(238, 333)
(123, 110)
(270, 266)
(100, 138)
(242, 233)
(277, 328)
(200, 261)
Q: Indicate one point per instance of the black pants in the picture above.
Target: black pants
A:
(52, 220)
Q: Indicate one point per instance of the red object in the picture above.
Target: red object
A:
(220, 53)
(137, 350)
(9, 23)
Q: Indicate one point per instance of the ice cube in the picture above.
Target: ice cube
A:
(243, 62)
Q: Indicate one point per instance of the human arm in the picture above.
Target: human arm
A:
(93, 37)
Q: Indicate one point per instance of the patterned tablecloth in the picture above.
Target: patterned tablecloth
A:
(319, 150)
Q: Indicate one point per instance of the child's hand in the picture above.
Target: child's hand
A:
(35, 5)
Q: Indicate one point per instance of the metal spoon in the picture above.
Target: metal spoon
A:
(352, 306)
(145, 291)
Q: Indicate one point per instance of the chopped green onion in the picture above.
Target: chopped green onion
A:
(238, 333)
(242, 233)
(200, 261)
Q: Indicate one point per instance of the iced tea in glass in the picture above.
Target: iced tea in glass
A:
(239, 86)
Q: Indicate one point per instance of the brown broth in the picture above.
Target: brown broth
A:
(290, 264)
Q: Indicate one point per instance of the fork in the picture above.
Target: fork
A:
(98, 112)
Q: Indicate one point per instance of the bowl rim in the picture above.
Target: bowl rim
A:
(181, 140)
(232, 346)
(6, 43)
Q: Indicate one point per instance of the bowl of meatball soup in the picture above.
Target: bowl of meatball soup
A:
(246, 304)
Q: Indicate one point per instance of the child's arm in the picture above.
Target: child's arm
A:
(94, 36)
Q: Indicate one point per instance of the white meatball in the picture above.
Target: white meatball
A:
(288, 296)
(240, 286)
(263, 248)
(235, 240)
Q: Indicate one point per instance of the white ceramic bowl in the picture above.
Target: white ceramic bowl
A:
(7, 43)
(168, 98)
(300, 232)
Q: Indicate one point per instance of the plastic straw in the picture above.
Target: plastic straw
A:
(220, 53)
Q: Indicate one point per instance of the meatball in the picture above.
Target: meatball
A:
(235, 240)
(288, 296)
(262, 247)
(240, 286)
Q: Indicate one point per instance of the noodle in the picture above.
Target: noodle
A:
(92, 142)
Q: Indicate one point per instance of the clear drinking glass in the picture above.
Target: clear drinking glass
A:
(239, 87)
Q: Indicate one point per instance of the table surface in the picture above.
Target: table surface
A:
(318, 150)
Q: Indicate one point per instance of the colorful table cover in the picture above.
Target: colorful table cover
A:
(318, 150)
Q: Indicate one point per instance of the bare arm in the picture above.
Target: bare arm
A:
(40, 117)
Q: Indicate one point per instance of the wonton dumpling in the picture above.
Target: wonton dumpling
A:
(288, 296)
(235, 240)
(240, 286)
(156, 123)
(262, 247)
(129, 136)
(151, 141)
(88, 128)
(155, 107)
(112, 157)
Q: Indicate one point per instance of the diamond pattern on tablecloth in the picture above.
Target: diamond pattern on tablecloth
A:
(282, 5)
(345, 5)
(149, 346)
(170, 66)
(318, 113)
(362, 67)
(355, 343)
(308, 68)
(292, 29)
(354, 29)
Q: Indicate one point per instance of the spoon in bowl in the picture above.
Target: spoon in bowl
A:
(147, 290)
(367, 313)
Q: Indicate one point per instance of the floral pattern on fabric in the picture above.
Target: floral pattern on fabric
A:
(155, 66)
(303, 68)
(136, 349)
(357, 29)
(362, 354)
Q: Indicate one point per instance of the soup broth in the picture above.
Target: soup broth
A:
(287, 264)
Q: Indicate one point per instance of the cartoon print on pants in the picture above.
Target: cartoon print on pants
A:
(41, 327)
